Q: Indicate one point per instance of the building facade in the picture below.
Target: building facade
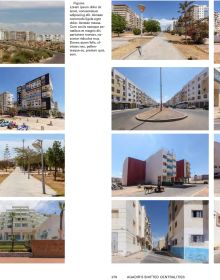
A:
(36, 96)
(188, 234)
(6, 102)
(26, 220)
(198, 12)
(132, 19)
(161, 168)
(131, 229)
(133, 172)
(183, 171)
(217, 87)
(127, 95)
(194, 93)
(216, 159)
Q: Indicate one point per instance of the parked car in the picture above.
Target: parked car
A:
(206, 107)
(22, 127)
(4, 123)
(192, 107)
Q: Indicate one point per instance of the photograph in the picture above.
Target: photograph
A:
(156, 98)
(216, 98)
(217, 165)
(216, 31)
(32, 98)
(32, 231)
(32, 165)
(160, 30)
(32, 32)
(217, 231)
(160, 165)
(175, 231)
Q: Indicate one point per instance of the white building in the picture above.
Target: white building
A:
(126, 94)
(217, 224)
(198, 12)
(217, 22)
(216, 159)
(130, 228)
(161, 166)
(6, 101)
(188, 235)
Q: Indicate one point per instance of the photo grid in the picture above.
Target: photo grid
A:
(165, 84)
(32, 132)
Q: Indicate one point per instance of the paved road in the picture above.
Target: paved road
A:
(58, 58)
(125, 120)
(217, 256)
(17, 184)
(160, 257)
(217, 124)
(157, 48)
(195, 190)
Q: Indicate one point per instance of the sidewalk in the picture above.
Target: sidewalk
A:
(18, 184)
(155, 115)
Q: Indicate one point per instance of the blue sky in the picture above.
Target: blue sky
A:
(192, 147)
(15, 140)
(11, 78)
(217, 137)
(163, 11)
(45, 207)
(148, 79)
(157, 211)
(217, 6)
(37, 16)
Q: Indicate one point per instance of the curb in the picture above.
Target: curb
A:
(167, 120)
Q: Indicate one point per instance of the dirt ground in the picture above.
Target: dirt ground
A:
(198, 52)
(122, 51)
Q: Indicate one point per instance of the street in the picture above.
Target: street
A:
(199, 190)
(17, 184)
(125, 120)
(157, 48)
(217, 124)
(148, 257)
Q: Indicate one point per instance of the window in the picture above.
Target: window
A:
(115, 213)
(197, 238)
(218, 220)
(134, 223)
(197, 213)
(175, 224)
(175, 208)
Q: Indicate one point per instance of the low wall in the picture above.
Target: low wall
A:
(48, 248)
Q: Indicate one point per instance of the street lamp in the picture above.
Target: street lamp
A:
(141, 9)
(161, 91)
(38, 144)
(28, 158)
(23, 158)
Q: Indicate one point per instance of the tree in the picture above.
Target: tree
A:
(198, 31)
(62, 209)
(7, 156)
(185, 17)
(55, 157)
(152, 25)
(118, 24)
(27, 156)
(12, 216)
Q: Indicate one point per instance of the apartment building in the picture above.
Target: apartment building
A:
(183, 171)
(6, 35)
(161, 168)
(161, 244)
(198, 12)
(132, 19)
(127, 95)
(36, 96)
(188, 233)
(25, 222)
(217, 224)
(194, 93)
(217, 23)
(216, 159)
(133, 172)
(6, 102)
(50, 38)
(131, 229)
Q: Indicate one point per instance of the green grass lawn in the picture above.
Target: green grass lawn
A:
(5, 246)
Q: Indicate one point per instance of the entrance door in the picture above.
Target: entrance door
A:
(114, 242)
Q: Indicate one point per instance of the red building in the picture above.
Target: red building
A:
(133, 172)
(182, 171)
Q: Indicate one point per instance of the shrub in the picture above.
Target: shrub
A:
(136, 31)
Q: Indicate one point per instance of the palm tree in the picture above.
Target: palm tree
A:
(183, 8)
(62, 209)
(12, 216)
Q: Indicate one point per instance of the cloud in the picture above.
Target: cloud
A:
(38, 27)
(30, 4)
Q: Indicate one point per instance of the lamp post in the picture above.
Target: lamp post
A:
(28, 158)
(23, 158)
(38, 144)
(141, 9)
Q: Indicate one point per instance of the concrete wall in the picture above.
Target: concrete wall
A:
(154, 168)
(48, 248)
(133, 172)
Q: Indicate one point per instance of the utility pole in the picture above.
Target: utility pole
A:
(141, 9)
(161, 91)
(38, 144)
(23, 156)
